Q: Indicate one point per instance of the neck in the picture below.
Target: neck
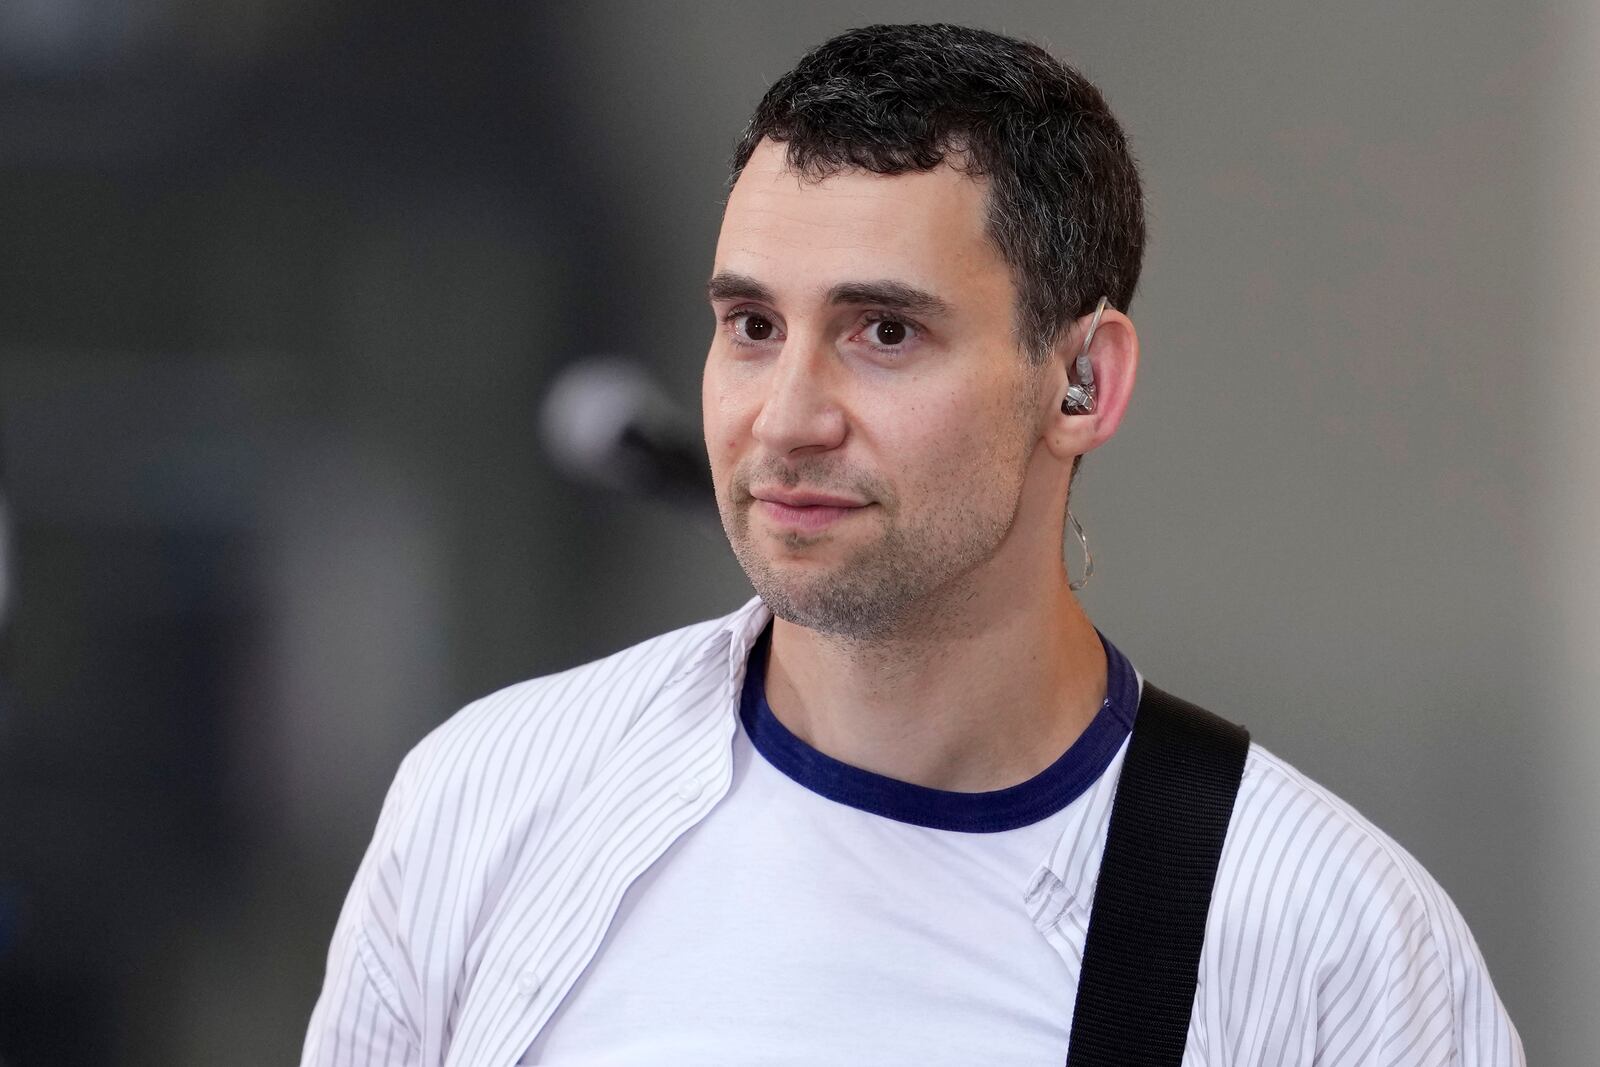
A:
(985, 691)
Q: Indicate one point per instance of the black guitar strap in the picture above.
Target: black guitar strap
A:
(1141, 958)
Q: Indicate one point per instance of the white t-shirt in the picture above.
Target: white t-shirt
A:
(517, 900)
(825, 914)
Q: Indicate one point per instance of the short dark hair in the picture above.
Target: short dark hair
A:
(1065, 206)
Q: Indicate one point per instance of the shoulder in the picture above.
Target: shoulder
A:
(471, 802)
(583, 705)
(475, 796)
(1327, 931)
(475, 793)
(1292, 840)
(1283, 815)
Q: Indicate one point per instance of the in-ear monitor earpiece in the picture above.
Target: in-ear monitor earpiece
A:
(1080, 394)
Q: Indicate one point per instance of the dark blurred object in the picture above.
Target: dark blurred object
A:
(606, 422)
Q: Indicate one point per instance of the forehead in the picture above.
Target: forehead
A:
(925, 228)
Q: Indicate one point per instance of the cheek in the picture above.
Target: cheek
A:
(723, 418)
(934, 440)
(967, 445)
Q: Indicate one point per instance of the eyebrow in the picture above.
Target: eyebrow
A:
(726, 285)
(884, 293)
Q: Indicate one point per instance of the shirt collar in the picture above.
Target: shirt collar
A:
(1042, 796)
(1066, 878)
(737, 635)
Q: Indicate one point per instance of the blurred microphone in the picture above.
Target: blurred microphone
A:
(606, 422)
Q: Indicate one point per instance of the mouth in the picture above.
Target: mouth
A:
(807, 511)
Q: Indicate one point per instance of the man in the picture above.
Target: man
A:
(862, 818)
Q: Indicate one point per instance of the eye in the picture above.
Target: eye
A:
(750, 327)
(885, 332)
(889, 332)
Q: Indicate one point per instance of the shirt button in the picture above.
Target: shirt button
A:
(528, 983)
(689, 787)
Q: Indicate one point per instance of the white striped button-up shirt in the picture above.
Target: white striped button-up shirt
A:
(512, 831)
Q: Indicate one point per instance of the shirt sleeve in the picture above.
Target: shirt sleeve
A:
(1332, 946)
(363, 1016)
(1411, 989)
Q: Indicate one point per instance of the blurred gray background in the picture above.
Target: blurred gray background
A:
(282, 284)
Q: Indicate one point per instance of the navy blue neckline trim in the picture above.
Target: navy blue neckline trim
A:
(1001, 809)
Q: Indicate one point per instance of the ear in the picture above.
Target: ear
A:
(1114, 353)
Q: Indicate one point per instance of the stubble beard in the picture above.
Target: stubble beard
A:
(890, 586)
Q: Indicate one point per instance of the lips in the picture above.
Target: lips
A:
(803, 510)
(801, 499)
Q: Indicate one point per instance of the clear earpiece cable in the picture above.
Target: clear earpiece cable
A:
(1083, 543)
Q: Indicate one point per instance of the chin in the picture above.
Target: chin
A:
(829, 602)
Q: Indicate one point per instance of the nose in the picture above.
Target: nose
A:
(799, 408)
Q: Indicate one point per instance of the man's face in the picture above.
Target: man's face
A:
(869, 417)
